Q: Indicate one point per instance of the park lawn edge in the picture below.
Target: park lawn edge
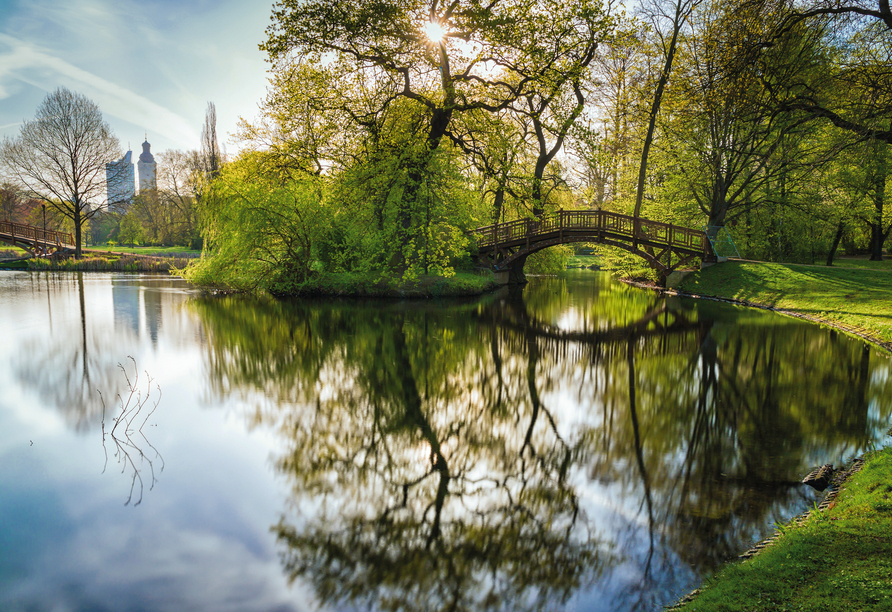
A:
(462, 284)
(352, 285)
(838, 557)
(713, 283)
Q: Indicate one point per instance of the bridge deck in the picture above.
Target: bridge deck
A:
(32, 237)
(513, 239)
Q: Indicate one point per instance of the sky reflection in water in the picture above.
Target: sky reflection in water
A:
(582, 446)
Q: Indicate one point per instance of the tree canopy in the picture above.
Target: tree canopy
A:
(408, 123)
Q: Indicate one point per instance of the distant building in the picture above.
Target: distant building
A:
(146, 167)
(120, 183)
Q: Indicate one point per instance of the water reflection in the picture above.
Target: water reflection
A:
(581, 443)
(79, 359)
(73, 367)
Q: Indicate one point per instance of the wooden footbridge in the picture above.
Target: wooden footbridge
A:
(34, 239)
(666, 247)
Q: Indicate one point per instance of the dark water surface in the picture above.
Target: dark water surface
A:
(579, 446)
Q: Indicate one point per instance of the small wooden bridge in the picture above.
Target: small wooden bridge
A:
(34, 239)
(666, 247)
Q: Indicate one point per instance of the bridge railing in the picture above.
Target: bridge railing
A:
(595, 221)
(29, 233)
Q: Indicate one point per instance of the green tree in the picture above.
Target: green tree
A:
(259, 233)
(482, 58)
(667, 19)
(130, 231)
(731, 145)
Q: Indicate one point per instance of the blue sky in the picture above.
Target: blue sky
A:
(151, 66)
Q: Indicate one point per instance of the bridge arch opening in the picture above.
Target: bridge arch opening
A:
(504, 247)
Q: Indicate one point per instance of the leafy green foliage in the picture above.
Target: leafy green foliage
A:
(259, 232)
(131, 231)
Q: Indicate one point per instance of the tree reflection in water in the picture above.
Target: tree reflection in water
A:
(78, 366)
(74, 363)
(464, 457)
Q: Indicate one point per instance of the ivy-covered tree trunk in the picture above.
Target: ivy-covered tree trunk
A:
(877, 233)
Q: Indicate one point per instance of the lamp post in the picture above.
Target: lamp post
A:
(43, 206)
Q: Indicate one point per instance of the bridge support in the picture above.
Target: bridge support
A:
(512, 274)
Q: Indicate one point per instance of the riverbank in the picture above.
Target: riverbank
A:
(94, 261)
(461, 284)
(856, 300)
(837, 558)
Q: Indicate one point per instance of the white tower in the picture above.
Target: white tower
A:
(146, 167)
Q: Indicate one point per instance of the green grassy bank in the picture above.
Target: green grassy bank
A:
(366, 285)
(151, 251)
(856, 297)
(839, 558)
(97, 262)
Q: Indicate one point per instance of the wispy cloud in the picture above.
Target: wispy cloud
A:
(27, 63)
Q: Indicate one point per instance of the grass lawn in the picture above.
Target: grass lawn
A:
(140, 250)
(859, 298)
(862, 262)
(838, 559)
(7, 250)
(363, 285)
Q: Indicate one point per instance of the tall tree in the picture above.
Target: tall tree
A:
(854, 94)
(667, 20)
(448, 58)
(211, 157)
(726, 134)
(60, 157)
(9, 203)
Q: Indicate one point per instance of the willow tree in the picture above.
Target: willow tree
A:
(60, 157)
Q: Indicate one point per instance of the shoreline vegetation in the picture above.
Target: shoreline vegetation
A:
(854, 300)
(353, 285)
(839, 556)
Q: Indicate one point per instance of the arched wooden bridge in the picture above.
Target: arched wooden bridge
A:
(666, 247)
(34, 239)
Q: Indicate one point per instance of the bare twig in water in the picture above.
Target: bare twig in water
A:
(126, 448)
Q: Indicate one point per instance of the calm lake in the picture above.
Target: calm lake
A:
(577, 445)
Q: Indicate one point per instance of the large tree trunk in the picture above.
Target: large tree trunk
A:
(78, 222)
(840, 229)
(877, 235)
(497, 204)
(717, 213)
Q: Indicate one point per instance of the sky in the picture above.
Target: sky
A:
(151, 66)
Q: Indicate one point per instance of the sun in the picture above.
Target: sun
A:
(434, 31)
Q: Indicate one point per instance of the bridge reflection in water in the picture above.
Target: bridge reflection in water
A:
(505, 246)
(578, 445)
